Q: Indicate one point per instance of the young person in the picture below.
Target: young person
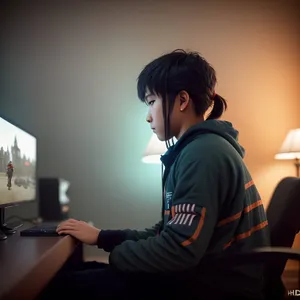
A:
(210, 203)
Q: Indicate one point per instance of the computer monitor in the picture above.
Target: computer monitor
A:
(18, 156)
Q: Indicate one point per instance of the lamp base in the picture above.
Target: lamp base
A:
(297, 165)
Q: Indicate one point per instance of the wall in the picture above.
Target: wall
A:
(70, 72)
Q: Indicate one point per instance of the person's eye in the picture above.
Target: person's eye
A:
(151, 102)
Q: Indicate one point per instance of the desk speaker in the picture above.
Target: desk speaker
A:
(53, 200)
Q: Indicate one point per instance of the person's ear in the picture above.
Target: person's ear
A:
(184, 99)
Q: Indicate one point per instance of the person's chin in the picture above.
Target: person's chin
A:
(160, 137)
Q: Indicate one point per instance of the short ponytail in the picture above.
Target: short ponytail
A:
(219, 107)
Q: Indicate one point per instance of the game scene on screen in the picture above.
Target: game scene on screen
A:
(17, 164)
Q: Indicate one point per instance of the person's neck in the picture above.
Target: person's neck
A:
(188, 124)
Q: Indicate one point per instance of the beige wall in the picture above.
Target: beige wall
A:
(70, 77)
(262, 86)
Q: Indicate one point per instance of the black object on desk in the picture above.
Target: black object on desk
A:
(43, 229)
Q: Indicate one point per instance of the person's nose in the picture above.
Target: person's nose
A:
(149, 118)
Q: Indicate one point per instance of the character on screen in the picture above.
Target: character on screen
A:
(9, 172)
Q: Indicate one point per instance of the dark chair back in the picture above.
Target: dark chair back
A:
(283, 215)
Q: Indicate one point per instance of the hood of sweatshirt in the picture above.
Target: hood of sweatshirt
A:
(222, 128)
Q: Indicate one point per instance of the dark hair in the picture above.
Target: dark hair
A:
(179, 70)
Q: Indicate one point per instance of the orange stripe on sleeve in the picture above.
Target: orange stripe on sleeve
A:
(172, 211)
(247, 233)
(252, 206)
(198, 229)
(238, 215)
(248, 184)
(229, 219)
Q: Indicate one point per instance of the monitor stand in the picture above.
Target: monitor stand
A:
(5, 229)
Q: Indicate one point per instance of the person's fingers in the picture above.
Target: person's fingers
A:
(67, 222)
(61, 225)
(65, 227)
(65, 232)
(72, 220)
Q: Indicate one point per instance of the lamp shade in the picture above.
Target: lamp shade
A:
(154, 150)
(290, 148)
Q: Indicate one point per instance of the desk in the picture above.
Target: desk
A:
(27, 264)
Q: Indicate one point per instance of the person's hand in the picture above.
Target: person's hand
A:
(80, 230)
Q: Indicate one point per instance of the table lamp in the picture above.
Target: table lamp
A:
(290, 149)
(154, 150)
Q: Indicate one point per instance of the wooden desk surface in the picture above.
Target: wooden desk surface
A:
(27, 264)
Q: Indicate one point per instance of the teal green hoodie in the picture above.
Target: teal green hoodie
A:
(210, 206)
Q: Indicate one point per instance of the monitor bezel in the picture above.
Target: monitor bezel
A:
(4, 205)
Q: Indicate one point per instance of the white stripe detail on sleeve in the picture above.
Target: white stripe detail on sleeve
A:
(184, 214)
(186, 218)
(185, 208)
(173, 219)
(179, 217)
(188, 207)
(191, 220)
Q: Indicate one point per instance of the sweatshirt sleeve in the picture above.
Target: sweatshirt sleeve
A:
(109, 239)
(185, 238)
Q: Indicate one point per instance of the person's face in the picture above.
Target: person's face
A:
(156, 119)
(155, 115)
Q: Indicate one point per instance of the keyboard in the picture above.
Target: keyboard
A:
(41, 230)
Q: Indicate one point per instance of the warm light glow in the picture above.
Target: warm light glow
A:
(154, 150)
(151, 159)
(290, 148)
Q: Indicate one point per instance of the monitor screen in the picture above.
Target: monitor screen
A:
(18, 150)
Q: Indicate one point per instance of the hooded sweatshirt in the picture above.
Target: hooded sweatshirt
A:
(210, 207)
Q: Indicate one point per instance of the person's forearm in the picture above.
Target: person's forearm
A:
(109, 239)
